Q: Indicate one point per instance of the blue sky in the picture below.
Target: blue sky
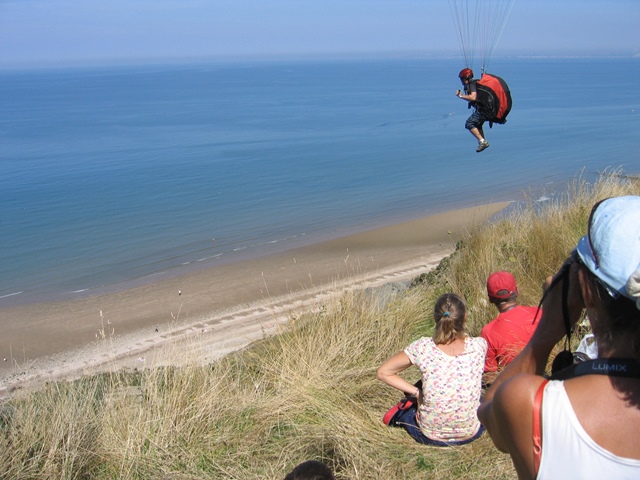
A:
(63, 32)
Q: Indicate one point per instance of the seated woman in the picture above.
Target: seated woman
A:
(451, 362)
(585, 424)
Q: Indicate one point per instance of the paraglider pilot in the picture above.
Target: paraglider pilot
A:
(476, 120)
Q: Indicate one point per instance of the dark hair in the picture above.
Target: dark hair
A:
(448, 313)
(498, 301)
(310, 470)
(624, 317)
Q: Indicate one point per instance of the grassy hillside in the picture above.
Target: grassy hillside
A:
(307, 393)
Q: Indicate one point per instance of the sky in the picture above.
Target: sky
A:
(45, 33)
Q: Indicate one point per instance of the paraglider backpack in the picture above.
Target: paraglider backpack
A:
(493, 98)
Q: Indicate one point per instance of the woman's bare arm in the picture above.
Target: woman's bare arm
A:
(389, 370)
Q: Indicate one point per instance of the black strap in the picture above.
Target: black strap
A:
(613, 367)
(565, 306)
(565, 358)
(562, 275)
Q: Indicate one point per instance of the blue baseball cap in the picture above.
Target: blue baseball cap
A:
(611, 247)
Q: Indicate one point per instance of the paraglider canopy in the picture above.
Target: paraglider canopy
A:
(479, 25)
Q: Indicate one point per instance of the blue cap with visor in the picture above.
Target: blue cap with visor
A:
(611, 247)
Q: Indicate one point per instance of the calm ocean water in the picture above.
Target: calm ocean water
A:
(116, 176)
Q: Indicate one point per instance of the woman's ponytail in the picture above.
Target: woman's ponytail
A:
(448, 314)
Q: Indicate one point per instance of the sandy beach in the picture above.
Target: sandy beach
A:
(218, 310)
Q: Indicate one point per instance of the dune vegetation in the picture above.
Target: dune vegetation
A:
(309, 392)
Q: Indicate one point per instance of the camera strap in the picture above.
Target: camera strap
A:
(564, 359)
(613, 367)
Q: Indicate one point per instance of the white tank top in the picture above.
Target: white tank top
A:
(568, 451)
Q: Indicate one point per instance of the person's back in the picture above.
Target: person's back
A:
(583, 422)
(577, 440)
(451, 385)
(509, 332)
(441, 410)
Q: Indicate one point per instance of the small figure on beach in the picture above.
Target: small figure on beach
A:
(440, 409)
(509, 332)
(582, 421)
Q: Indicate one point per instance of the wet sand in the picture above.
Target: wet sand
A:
(218, 310)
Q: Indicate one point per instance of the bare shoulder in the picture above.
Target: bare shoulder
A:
(592, 395)
(508, 417)
(521, 388)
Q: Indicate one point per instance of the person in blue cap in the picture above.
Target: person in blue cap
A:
(584, 421)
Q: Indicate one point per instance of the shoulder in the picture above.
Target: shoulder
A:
(508, 416)
(419, 346)
(421, 341)
(518, 392)
(527, 309)
(525, 313)
(477, 344)
(488, 328)
(478, 341)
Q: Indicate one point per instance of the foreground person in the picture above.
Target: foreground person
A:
(585, 426)
(441, 409)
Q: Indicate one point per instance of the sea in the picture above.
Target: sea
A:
(112, 177)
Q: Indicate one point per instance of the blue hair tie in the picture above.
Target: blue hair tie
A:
(446, 314)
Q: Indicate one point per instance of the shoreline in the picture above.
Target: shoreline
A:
(216, 310)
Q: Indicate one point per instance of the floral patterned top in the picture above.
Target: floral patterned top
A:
(451, 388)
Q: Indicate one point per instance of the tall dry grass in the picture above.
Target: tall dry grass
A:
(307, 393)
(531, 242)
